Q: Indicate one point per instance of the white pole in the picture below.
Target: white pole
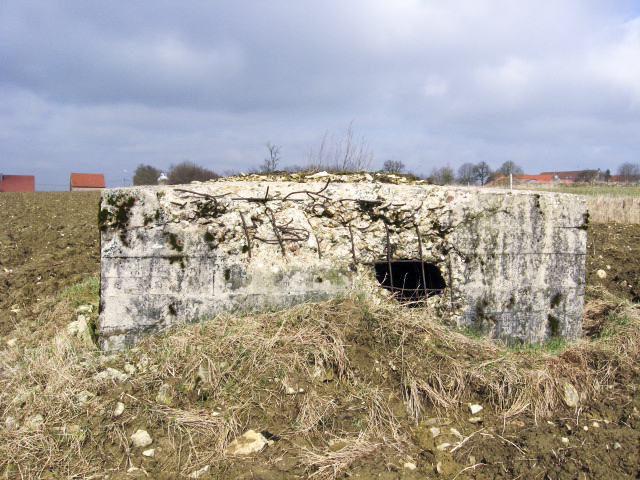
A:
(511, 181)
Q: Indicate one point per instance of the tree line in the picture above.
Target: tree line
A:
(351, 153)
(183, 172)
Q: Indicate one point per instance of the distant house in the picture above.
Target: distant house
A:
(17, 183)
(87, 181)
(625, 178)
(576, 176)
(542, 178)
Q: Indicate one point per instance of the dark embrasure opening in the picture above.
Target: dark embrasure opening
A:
(410, 279)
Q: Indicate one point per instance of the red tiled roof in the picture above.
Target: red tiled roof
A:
(625, 178)
(569, 175)
(543, 177)
(17, 183)
(87, 180)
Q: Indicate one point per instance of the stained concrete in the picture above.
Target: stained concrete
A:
(513, 262)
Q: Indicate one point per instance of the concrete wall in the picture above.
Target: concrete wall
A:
(513, 262)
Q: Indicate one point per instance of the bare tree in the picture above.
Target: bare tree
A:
(393, 166)
(629, 172)
(482, 172)
(344, 154)
(466, 174)
(442, 175)
(510, 167)
(270, 163)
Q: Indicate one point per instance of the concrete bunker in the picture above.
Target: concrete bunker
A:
(508, 264)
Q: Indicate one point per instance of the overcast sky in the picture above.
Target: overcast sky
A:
(103, 86)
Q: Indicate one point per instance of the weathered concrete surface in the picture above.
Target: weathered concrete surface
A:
(513, 262)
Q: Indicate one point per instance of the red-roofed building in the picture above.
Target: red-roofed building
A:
(577, 175)
(87, 181)
(625, 178)
(543, 178)
(17, 183)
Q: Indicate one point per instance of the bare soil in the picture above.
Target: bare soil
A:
(49, 241)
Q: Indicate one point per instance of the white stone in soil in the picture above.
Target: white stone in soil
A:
(410, 466)
(119, 410)
(83, 397)
(200, 472)
(141, 439)
(475, 408)
(247, 443)
(149, 453)
(475, 420)
(10, 423)
(129, 368)
(570, 394)
(110, 374)
(164, 395)
(12, 342)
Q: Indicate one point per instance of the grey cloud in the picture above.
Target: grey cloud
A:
(120, 83)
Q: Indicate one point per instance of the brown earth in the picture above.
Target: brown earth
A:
(615, 249)
(49, 242)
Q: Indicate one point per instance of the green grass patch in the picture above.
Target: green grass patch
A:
(85, 292)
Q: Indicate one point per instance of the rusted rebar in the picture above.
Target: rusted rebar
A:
(246, 234)
(424, 277)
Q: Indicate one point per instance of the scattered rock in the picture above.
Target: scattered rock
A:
(435, 431)
(84, 309)
(111, 374)
(456, 433)
(475, 408)
(149, 453)
(475, 420)
(119, 410)
(595, 425)
(11, 423)
(570, 394)
(436, 421)
(165, 394)
(410, 466)
(141, 439)
(565, 440)
(602, 274)
(247, 443)
(200, 472)
(129, 368)
(70, 433)
(439, 468)
(617, 446)
(83, 397)
(35, 422)
(12, 342)
(321, 375)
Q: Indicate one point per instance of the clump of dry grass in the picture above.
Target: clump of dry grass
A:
(516, 381)
(337, 369)
(330, 464)
(608, 209)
